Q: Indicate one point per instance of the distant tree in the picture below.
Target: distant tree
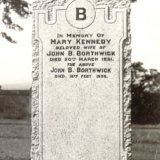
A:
(152, 81)
(138, 75)
(7, 7)
(133, 0)
(145, 80)
(145, 94)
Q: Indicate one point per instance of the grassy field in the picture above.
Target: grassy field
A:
(15, 141)
(146, 142)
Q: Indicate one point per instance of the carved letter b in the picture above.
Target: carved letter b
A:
(81, 14)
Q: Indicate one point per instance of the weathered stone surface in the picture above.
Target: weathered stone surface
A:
(75, 136)
(43, 4)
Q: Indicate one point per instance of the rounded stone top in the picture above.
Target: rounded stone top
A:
(45, 4)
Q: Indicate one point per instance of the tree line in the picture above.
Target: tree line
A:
(145, 90)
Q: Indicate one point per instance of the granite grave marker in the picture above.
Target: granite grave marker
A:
(81, 80)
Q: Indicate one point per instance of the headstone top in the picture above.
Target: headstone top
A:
(44, 4)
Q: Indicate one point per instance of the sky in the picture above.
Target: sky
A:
(145, 26)
(16, 59)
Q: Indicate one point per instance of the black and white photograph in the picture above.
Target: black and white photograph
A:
(145, 102)
(15, 79)
(79, 80)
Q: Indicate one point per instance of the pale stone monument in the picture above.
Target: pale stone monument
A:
(81, 80)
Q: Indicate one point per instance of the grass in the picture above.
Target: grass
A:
(146, 142)
(15, 141)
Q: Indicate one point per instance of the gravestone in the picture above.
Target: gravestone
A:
(81, 80)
